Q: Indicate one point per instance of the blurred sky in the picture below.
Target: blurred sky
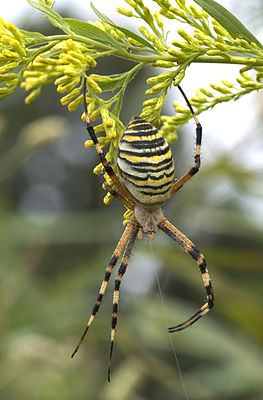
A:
(227, 124)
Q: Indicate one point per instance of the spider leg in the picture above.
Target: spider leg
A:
(99, 150)
(114, 193)
(193, 251)
(121, 272)
(115, 256)
(180, 182)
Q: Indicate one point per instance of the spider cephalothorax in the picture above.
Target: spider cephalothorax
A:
(146, 171)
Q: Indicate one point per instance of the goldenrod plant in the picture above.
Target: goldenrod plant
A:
(212, 35)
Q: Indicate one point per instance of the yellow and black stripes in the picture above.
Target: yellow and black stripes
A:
(145, 163)
(117, 252)
(193, 251)
(124, 263)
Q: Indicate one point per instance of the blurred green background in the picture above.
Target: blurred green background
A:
(56, 239)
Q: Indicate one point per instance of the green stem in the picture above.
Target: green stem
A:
(197, 59)
(221, 60)
(148, 59)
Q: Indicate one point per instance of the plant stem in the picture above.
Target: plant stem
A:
(148, 59)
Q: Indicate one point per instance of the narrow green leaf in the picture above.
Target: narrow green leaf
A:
(133, 35)
(126, 31)
(51, 15)
(32, 35)
(227, 20)
(117, 81)
(52, 53)
(102, 16)
(92, 32)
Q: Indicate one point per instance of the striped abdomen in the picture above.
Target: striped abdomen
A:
(145, 163)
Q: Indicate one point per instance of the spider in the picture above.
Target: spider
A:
(146, 182)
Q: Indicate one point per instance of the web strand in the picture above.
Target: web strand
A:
(166, 320)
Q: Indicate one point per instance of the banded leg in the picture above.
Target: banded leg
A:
(99, 150)
(180, 182)
(193, 251)
(115, 256)
(118, 196)
(121, 272)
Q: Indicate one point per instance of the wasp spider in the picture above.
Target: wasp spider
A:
(146, 171)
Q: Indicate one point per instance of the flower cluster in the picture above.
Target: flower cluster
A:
(12, 54)
(65, 63)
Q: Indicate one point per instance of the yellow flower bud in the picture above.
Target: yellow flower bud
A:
(89, 144)
(206, 92)
(8, 77)
(94, 115)
(158, 19)
(145, 32)
(182, 45)
(221, 46)
(66, 70)
(9, 67)
(166, 13)
(164, 64)
(159, 78)
(125, 12)
(15, 32)
(4, 92)
(150, 102)
(17, 46)
(177, 11)
(188, 38)
(156, 88)
(226, 83)
(93, 85)
(66, 99)
(107, 199)
(220, 89)
(220, 30)
(196, 13)
(73, 105)
(91, 62)
(97, 170)
(131, 3)
(9, 54)
(180, 109)
(214, 53)
(176, 53)
(33, 95)
(62, 80)
(179, 78)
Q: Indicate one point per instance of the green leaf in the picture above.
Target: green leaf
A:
(126, 31)
(32, 38)
(32, 35)
(117, 81)
(52, 53)
(102, 16)
(135, 36)
(92, 32)
(227, 20)
(51, 15)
